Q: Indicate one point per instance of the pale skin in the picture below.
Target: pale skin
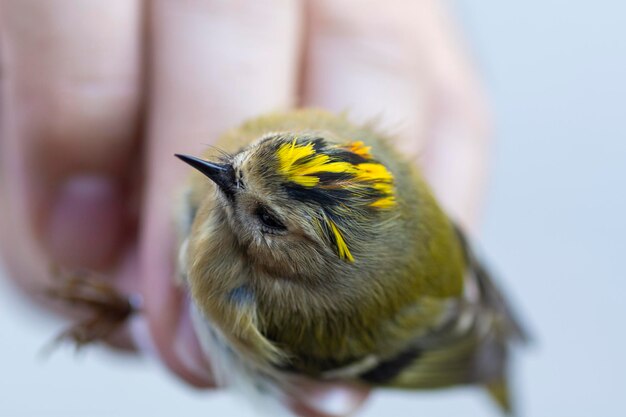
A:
(97, 97)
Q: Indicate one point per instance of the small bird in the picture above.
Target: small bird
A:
(310, 246)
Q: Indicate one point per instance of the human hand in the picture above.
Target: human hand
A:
(98, 96)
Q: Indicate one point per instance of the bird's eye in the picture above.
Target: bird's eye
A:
(268, 221)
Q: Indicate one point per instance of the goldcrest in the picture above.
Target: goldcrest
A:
(310, 246)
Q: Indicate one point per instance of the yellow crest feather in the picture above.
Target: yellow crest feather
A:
(342, 247)
(300, 163)
(303, 173)
(305, 163)
(360, 149)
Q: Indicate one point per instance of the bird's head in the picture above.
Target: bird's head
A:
(302, 204)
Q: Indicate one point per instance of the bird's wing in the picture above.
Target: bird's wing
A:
(471, 345)
(490, 296)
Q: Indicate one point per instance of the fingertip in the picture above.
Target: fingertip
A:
(339, 401)
(180, 356)
(167, 325)
(189, 352)
(71, 111)
(84, 226)
(312, 398)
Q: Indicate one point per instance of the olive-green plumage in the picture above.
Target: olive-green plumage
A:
(318, 249)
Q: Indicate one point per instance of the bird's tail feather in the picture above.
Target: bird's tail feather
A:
(499, 392)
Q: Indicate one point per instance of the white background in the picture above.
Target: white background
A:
(554, 228)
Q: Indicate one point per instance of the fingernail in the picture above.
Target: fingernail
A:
(85, 224)
(195, 370)
(140, 334)
(335, 401)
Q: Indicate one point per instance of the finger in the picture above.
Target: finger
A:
(1, 85)
(71, 105)
(366, 62)
(396, 60)
(456, 155)
(215, 63)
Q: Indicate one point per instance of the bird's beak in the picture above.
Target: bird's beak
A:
(220, 174)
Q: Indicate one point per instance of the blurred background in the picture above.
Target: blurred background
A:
(554, 230)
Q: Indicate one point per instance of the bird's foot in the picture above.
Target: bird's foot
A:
(105, 309)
